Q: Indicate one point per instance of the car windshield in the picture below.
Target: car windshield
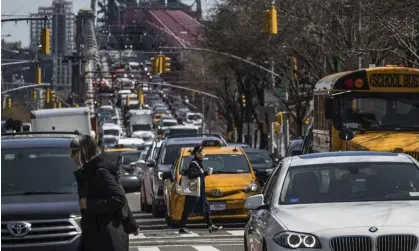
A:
(221, 163)
(141, 128)
(351, 182)
(112, 132)
(113, 156)
(37, 170)
(194, 117)
(259, 157)
(186, 131)
(170, 152)
(130, 157)
(169, 123)
(110, 141)
(382, 111)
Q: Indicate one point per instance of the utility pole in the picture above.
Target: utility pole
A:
(203, 112)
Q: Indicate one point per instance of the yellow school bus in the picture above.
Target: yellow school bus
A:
(374, 109)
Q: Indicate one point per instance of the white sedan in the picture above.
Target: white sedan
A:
(337, 201)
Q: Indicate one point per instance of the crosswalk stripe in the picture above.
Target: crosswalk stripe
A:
(139, 236)
(148, 249)
(188, 235)
(205, 248)
(236, 232)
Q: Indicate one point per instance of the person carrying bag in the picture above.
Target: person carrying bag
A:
(192, 185)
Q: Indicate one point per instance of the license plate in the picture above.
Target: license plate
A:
(218, 206)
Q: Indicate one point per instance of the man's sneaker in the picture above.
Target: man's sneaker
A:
(184, 231)
(214, 228)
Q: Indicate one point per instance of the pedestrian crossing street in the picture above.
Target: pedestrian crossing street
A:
(232, 247)
(155, 235)
(198, 240)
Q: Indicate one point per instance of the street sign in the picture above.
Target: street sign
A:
(267, 111)
(270, 99)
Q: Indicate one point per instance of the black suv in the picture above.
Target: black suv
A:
(39, 198)
(167, 154)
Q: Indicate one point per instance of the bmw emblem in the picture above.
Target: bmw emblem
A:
(373, 229)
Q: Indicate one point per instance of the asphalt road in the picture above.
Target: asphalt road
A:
(155, 235)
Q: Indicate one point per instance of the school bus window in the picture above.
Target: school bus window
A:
(383, 111)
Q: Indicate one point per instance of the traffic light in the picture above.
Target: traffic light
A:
(140, 96)
(271, 21)
(244, 101)
(34, 95)
(161, 63)
(48, 96)
(9, 102)
(156, 65)
(277, 128)
(45, 41)
(166, 66)
(38, 75)
(280, 118)
(128, 99)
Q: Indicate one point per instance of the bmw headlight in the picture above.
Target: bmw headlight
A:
(252, 187)
(297, 240)
(160, 175)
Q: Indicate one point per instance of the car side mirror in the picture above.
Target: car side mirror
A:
(260, 173)
(150, 163)
(254, 202)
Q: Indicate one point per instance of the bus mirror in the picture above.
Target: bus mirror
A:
(328, 108)
(346, 134)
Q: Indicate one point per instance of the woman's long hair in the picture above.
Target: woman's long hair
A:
(86, 147)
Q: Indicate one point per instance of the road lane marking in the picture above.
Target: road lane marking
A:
(148, 249)
(205, 248)
(236, 232)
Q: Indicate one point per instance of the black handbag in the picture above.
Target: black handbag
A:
(128, 221)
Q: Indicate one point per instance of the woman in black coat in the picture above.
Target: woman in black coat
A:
(194, 203)
(102, 199)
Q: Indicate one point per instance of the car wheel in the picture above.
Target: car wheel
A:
(155, 211)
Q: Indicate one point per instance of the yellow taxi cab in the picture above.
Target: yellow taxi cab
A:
(114, 151)
(232, 181)
(156, 119)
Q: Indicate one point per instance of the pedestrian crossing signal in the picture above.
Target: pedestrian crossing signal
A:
(34, 95)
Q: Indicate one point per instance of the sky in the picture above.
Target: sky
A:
(20, 31)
